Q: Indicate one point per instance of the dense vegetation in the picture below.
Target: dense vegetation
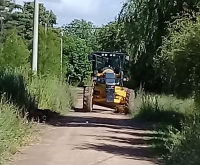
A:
(162, 39)
(21, 91)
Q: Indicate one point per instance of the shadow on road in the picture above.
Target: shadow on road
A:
(134, 146)
(120, 136)
(92, 121)
(136, 153)
(124, 137)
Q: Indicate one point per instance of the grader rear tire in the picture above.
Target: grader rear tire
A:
(129, 101)
(87, 99)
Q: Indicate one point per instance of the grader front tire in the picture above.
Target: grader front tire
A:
(87, 99)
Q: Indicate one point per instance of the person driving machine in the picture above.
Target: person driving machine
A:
(108, 62)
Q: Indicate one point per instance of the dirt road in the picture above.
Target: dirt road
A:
(97, 138)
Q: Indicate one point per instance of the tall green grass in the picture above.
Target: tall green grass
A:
(14, 130)
(183, 146)
(177, 123)
(52, 94)
(161, 108)
(19, 93)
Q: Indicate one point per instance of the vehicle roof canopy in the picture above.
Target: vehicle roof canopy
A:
(104, 52)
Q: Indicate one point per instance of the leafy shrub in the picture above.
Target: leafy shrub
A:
(178, 65)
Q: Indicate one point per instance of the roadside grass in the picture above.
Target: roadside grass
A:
(20, 92)
(176, 123)
(15, 132)
(52, 94)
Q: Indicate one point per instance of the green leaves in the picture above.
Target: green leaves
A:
(80, 39)
(111, 37)
(83, 30)
(146, 24)
(49, 52)
(14, 52)
(23, 18)
(76, 52)
(179, 60)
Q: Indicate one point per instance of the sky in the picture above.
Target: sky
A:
(97, 11)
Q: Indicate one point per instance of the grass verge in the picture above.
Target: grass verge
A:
(14, 131)
(19, 93)
(177, 125)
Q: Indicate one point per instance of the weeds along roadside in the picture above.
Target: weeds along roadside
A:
(176, 127)
(19, 93)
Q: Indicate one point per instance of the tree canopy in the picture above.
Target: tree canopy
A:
(143, 30)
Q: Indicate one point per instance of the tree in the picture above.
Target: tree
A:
(23, 19)
(178, 63)
(83, 30)
(14, 52)
(46, 18)
(111, 37)
(145, 24)
(76, 54)
(49, 52)
(6, 10)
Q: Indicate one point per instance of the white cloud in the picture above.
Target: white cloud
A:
(96, 11)
(80, 6)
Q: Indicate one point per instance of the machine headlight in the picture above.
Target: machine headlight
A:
(95, 78)
(117, 81)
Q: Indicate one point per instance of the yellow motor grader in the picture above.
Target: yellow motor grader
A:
(108, 78)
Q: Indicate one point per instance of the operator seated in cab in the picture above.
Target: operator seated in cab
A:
(108, 62)
(112, 63)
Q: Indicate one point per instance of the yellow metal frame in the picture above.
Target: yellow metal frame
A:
(100, 96)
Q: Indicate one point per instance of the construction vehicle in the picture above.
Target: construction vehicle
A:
(108, 78)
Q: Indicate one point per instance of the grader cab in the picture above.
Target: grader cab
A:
(108, 78)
